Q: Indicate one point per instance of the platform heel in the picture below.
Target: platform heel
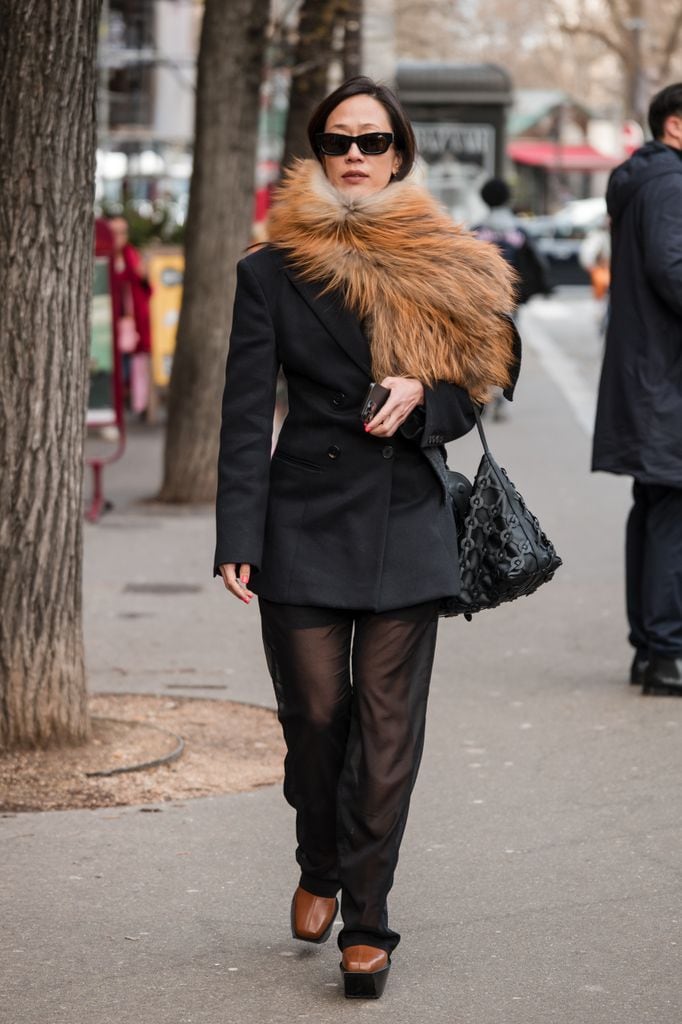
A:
(365, 972)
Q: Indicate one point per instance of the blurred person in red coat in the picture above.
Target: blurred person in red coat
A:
(131, 293)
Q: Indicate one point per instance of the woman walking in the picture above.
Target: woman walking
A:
(344, 534)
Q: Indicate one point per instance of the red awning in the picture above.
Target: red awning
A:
(555, 157)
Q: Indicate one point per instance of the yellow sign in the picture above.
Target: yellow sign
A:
(165, 271)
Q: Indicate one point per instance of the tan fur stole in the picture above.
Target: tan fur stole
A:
(429, 294)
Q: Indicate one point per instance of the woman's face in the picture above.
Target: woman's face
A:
(119, 230)
(356, 174)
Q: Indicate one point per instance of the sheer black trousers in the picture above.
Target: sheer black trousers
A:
(351, 691)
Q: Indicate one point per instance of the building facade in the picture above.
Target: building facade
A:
(147, 72)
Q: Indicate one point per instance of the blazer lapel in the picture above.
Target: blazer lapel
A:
(341, 323)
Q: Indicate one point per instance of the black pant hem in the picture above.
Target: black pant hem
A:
(324, 887)
(355, 938)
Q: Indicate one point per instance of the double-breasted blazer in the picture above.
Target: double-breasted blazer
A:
(336, 517)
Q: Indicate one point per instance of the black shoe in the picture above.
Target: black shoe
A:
(640, 664)
(663, 677)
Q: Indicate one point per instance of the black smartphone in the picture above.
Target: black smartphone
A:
(374, 399)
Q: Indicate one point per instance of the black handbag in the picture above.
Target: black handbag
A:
(503, 551)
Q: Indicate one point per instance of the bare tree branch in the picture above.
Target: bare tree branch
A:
(594, 32)
(671, 46)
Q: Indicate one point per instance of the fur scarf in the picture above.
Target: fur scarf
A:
(429, 294)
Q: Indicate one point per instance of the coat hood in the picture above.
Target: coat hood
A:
(651, 161)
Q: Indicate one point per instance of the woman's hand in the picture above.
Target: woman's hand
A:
(237, 586)
(406, 395)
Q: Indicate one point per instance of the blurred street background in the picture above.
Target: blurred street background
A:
(485, 102)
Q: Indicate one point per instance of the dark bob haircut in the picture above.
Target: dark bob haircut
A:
(665, 103)
(403, 135)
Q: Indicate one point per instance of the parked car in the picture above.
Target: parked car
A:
(559, 237)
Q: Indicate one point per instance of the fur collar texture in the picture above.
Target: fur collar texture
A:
(428, 293)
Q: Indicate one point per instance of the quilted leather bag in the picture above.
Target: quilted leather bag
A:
(503, 551)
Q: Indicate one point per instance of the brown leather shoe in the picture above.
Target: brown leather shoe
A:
(312, 917)
(364, 958)
(365, 971)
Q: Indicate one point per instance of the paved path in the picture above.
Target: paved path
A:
(540, 874)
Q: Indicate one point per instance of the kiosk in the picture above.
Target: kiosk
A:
(459, 115)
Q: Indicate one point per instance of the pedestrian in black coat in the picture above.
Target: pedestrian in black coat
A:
(344, 534)
(638, 429)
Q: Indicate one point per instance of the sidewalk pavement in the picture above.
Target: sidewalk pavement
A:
(540, 874)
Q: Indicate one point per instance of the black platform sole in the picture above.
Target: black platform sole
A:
(325, 935)
(364, 984)
(662, 690)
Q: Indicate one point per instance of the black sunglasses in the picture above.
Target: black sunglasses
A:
(371, 144)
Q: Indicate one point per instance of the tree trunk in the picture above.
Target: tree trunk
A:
(218, 226)
(312, 55)
(47, 171)
(352, 38)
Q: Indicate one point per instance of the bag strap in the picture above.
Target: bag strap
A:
(438, 464)
(481, 431)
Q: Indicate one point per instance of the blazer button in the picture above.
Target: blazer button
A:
(333, 451)
(387, 451)
(338, 400)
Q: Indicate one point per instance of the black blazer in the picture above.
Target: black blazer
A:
(337, 518)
